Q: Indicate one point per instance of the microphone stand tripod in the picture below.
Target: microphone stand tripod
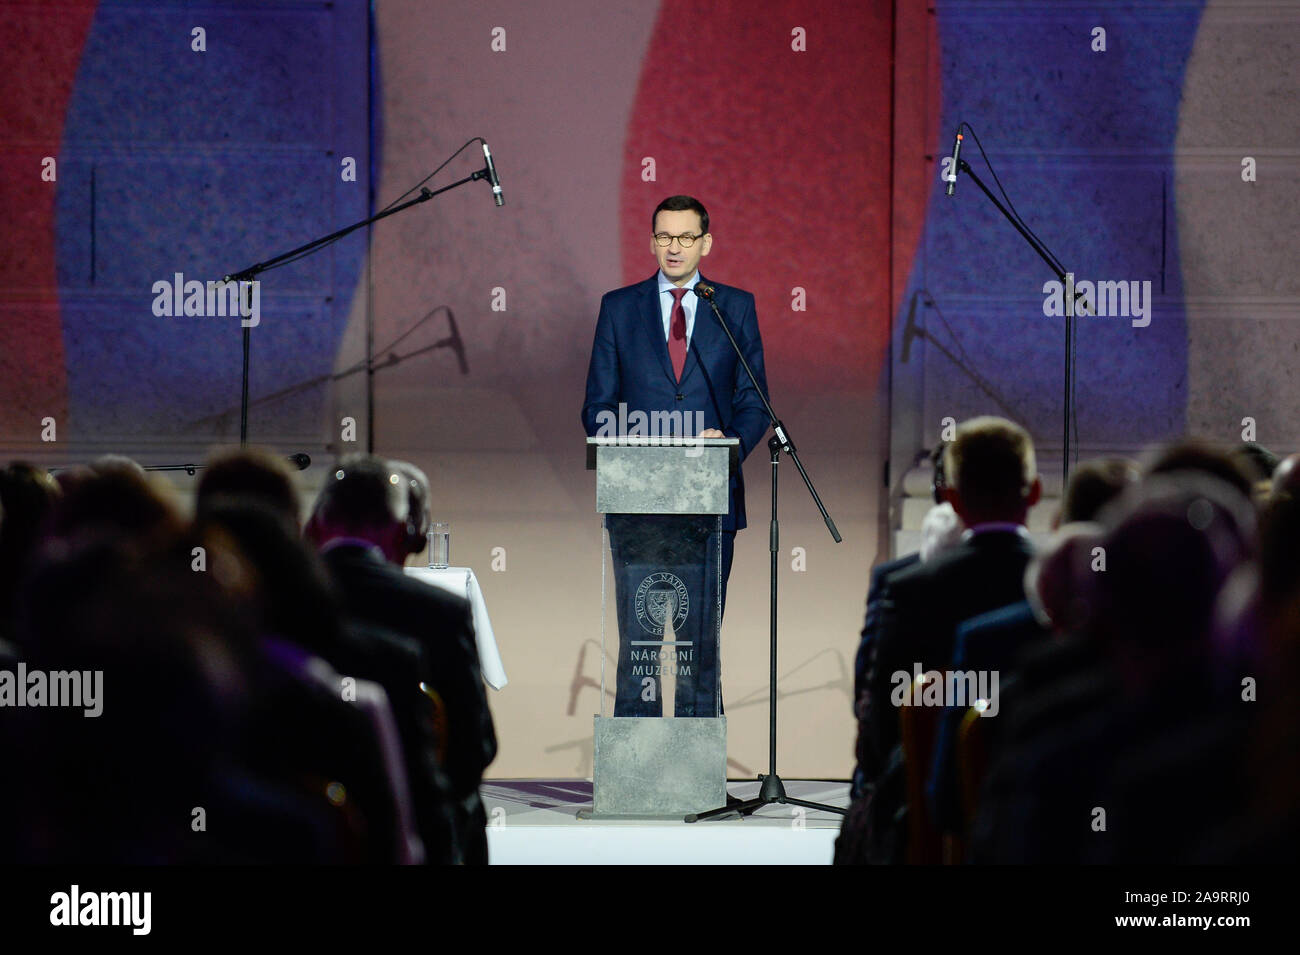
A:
(249, 274)
(772, 789)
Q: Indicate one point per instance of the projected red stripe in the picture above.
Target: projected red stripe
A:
(42, 52)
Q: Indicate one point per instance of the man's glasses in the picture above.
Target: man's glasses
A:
(663, 240)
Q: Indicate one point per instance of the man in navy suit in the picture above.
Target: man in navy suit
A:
(658, 348)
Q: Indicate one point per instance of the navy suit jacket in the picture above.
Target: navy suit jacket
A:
(922, 607)
(867, 639)
(630, 365)
(870, 763)
(990, 641)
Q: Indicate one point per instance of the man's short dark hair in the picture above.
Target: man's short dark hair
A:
(253, 473)
(1195, 454)
(363, 492)
(682, 204)
(1093, 485)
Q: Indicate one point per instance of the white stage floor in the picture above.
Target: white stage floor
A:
(534, 822)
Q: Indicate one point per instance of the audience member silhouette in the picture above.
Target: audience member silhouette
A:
(244, 717)
(364, 528)
(248, 700)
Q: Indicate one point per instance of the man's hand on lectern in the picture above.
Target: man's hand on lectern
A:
(711, 433)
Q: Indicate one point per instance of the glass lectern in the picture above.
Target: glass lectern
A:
(660, 736)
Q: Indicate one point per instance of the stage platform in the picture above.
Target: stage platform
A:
(534, 822)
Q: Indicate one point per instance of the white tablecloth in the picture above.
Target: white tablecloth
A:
(462, 582)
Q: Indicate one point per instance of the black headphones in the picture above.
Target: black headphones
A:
(417, 517)
(938, 482)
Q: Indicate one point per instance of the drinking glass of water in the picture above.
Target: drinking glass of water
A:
(440, 545)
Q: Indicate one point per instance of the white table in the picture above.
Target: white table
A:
(462, 582)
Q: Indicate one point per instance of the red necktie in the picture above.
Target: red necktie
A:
(677, 333)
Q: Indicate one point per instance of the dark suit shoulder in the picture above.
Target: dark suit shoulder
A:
(358, 571)
(882, 572)
(628, 294)
(901, 580)
(447, 602)
(979, 555)
(1018, 614)
(994, 638)
(651, 285)
(881, 575)
(738, 293)
(730, 296)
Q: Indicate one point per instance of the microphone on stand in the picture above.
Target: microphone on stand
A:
(497, 195)
(704, 291)
(956, 158)
(300, 462)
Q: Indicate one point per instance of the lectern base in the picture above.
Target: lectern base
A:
(658, 767)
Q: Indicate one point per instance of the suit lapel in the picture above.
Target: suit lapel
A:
(703, 335)
(653, 320)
